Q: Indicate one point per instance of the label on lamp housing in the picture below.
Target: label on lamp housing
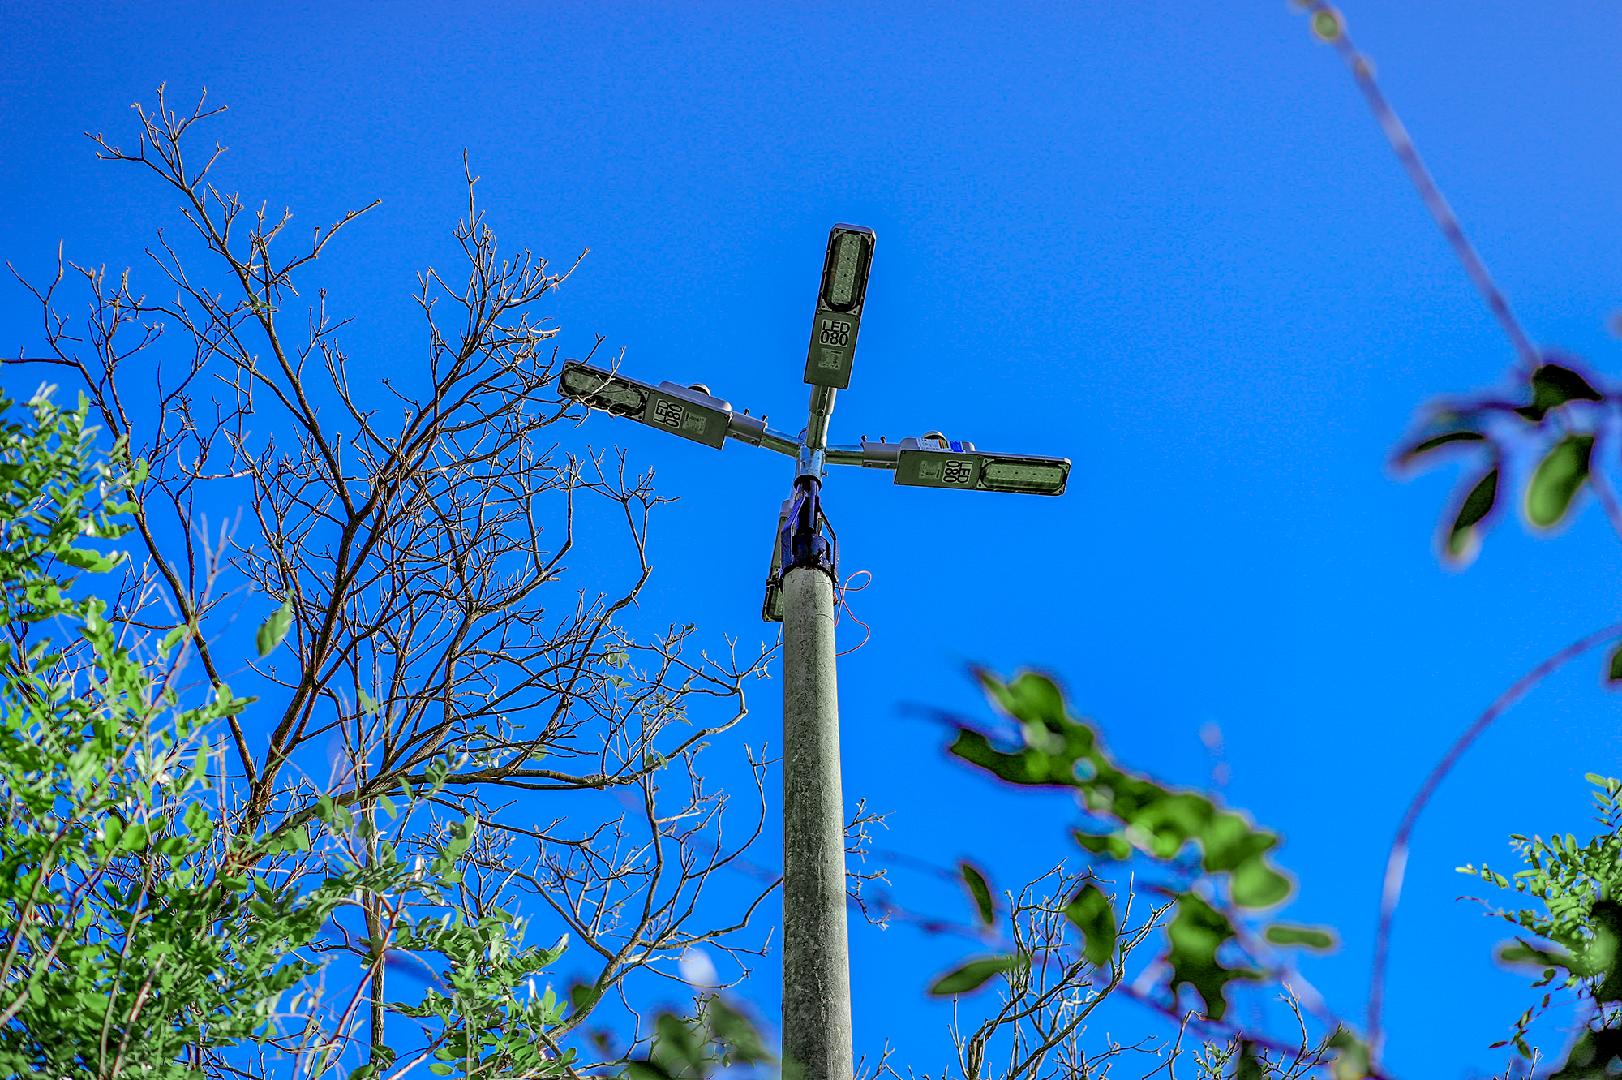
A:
(679, 414)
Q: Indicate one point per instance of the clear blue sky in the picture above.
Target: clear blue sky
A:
(1164, 240)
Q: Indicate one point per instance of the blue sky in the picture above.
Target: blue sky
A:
(1166, 241)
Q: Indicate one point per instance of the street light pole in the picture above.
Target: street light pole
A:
(801, 593)
(816, 962)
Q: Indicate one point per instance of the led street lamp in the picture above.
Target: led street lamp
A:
(681, 410)
(839, 306)
(944, 464)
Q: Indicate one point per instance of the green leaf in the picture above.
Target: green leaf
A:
(734, 1031)
(678, 1043)
(1094, 915)
(91, 561)
(1171, 818)
(647, 1070)
(1351, 1056)
(196, 818)
(1249, 1066)
(1472, 511)
(1105, 845)
(1057, 747)
(582, 996)
(1554, 385)
(1557, 479)
(136, 835)
(1520, 951)
(974, 974)
(1028, 697)
(1230, 841)
(979, 892)
(367, 705)
(1028, 767)
(1603, 955)
(1613, 671)
(1409, 453)
(274, 629)
(1197, 934)
(1307, 937)
(1256, 885)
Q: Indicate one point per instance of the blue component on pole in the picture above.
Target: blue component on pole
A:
(802, 541)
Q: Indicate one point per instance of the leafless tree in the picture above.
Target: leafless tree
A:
(416, 531)
(1042, 1025)
(1038, 1029)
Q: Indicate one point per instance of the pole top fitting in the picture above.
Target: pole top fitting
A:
(813, 464)
(805, 541)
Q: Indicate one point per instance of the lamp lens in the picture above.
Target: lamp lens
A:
(847, 263)
(1024, 477)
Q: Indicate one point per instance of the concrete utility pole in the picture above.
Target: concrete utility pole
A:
(800, 593)
(816, 962)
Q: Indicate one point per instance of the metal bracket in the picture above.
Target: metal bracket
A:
(801, 543)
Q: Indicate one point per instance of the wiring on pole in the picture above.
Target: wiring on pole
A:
(842, 607)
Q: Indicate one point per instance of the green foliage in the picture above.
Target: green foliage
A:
(1308, 937)
(481, 1014)
(1216, 864)
(490, 1020)
(973, 974)
(1197, 934)
(1352, 1057)
(1414, 451)
(1556, 423)
(1553, 385)
(1249, 1065)
(1463, 534)
(979, 891)
(274, 629)
(718, 1035)
(1092, 914)
(139, 933)
(1557, 479)
(1240, 1058)
(53, 499)
(1570, 937)
(124, 938)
